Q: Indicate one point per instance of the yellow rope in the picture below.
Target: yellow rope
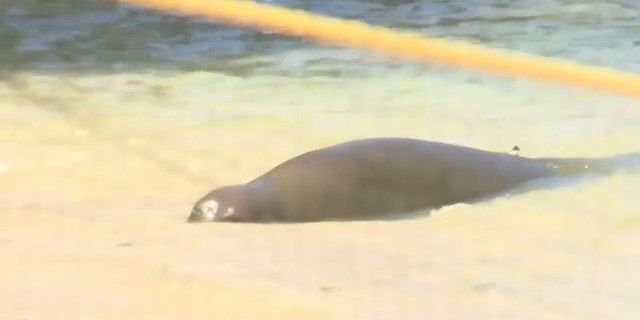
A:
(353, 33)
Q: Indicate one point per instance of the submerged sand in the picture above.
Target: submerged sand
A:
(98, 174)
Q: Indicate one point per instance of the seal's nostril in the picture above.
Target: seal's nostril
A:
(195, 216)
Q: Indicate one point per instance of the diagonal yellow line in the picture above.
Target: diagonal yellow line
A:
(357, 34)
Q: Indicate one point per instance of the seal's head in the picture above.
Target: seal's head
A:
(235, 203)
(223, 204)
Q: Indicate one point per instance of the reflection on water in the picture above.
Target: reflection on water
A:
(76, 35)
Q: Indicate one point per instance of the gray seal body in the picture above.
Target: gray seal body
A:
(370, 178)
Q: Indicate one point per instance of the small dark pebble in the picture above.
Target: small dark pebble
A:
(490, 286)
(483, 286)
(124, 244)
(515, 151)
(327, 289)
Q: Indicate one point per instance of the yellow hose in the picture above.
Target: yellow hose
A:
(357, 34)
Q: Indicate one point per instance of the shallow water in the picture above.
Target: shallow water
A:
(115, 120)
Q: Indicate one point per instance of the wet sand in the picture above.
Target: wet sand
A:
(97, 179)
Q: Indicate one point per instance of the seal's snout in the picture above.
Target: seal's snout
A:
(195, 216)
(211, 210)
(204, 211)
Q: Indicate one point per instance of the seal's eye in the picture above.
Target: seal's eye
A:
(229, 212)
(209, 209)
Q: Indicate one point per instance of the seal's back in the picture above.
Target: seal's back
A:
(375, 176)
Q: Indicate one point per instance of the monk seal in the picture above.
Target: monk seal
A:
(376, 177)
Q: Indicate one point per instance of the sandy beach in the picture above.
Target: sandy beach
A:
(94, 200)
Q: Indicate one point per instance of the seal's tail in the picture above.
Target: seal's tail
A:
(595, 166)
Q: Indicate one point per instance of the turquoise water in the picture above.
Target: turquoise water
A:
(91, 35)
(258, 74)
